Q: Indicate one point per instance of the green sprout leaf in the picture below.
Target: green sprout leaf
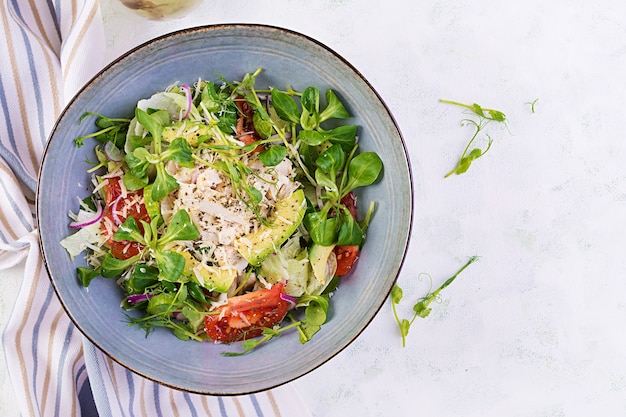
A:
(345, 136)
(312, 137)
(322, 229)
(181, 227)
(350, 232)
(310, 100)
(138, 163)
(129, 230)
(315, 314)
(171, 264)
(179, 151)
(113, 267)
(86, 275)
(196, 292)
(163, 184)
(153, 122)
(332, 160)
(363, 170)
(262, 122)
(285, 106)
(334, 108)
(273, 155)
(142, 277)
(464, 163)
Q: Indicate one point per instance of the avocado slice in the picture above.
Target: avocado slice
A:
(318, 256)
(191, 131)
(210, 277)
(258, 245)
(153, 207)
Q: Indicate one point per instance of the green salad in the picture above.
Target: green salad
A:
(225, 212)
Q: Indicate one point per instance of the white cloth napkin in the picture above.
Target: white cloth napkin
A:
(52, 49)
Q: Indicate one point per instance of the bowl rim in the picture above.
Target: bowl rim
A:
(213, 28)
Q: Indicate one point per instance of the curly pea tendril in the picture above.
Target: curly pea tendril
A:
(422, 306)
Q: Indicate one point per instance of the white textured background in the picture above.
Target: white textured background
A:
(536, 328)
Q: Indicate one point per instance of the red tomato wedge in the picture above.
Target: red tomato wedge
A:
(346, 257)
(118, 208)
(245, 316)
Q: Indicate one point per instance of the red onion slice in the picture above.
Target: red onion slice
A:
(113, 152)
(289, 299)
(97, 215)
(137, 298)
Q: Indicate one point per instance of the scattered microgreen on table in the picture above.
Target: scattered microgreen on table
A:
(532, 104)
(422, 306)
(484, 117)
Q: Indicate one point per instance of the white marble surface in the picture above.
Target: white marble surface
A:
(536, 328)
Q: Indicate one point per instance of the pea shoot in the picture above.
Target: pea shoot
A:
(422, 306)
(484, 117)
(532, 104)
(109, 129)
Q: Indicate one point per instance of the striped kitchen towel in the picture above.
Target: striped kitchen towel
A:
(49, 50)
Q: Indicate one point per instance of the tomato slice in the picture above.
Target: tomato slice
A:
(118, 208)
(347, 254)
(245, 316)
(346, 257)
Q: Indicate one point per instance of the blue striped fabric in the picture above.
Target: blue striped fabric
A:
(53, 369)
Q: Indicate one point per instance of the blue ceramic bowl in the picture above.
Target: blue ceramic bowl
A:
(288, 59)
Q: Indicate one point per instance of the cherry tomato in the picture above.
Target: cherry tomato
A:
(245, 316)
(116, 211)
(346, 257)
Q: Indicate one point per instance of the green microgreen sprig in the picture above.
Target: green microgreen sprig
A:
(142, 157)
(109, 129)
(168, 308)
(170, 263)
(532, 104)
(336, 182)
(484, 117)
(422, 306)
